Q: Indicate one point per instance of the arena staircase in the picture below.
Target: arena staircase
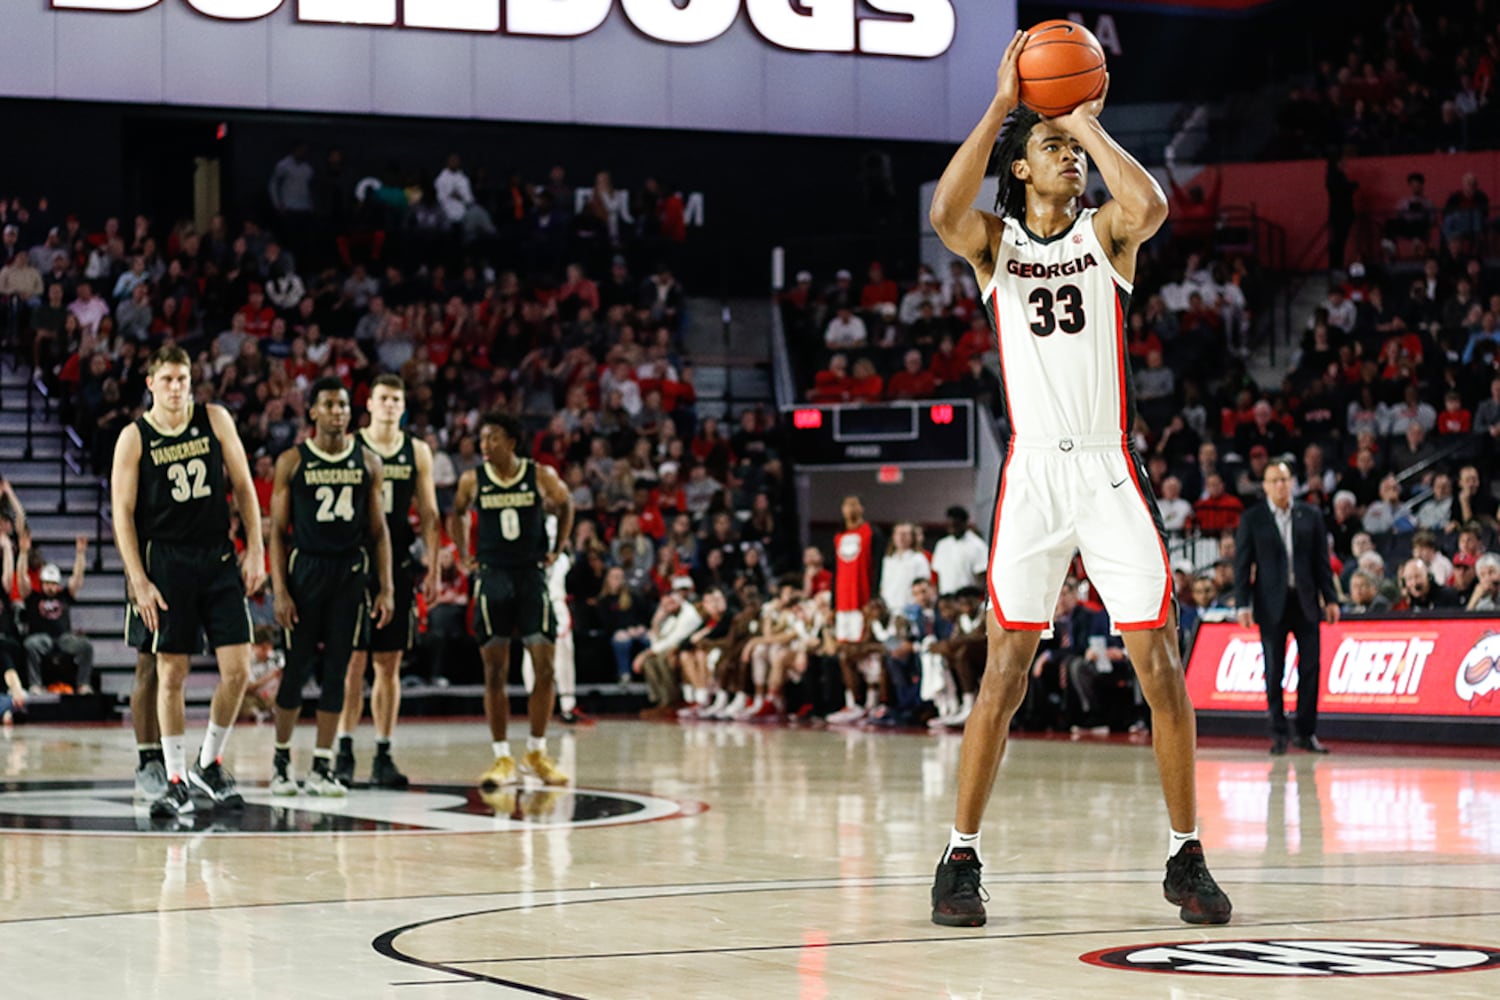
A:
(729, 343)
(49, 468)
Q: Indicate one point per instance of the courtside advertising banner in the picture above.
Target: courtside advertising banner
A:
(1433, 667)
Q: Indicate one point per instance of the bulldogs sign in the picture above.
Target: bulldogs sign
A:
(919, 29)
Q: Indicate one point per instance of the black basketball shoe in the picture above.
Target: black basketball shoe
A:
(1189, 885)
(217, 783)
(174, 803)
(343, 765)
(385, 774)
(957, 897)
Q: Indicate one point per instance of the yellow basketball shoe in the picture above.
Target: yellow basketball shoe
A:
(538, 764)
(502, 772)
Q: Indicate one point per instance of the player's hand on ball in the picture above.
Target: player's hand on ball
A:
(1246, 617)
(284, 610)
(1008, 77)
(385, 607)
(1084, 112)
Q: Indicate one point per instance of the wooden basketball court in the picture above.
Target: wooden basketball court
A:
(731, 861)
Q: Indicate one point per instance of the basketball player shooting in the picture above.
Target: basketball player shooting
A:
(1057, 280)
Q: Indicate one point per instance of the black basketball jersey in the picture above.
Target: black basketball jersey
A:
(330, 500)
(400, 472)
(512, 522)
(180, 497)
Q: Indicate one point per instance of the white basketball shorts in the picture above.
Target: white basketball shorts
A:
(1084, 493)
(849, 626)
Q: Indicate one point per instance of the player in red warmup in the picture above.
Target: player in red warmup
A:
(1057, 282)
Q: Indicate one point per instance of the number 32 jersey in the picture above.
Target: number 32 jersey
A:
(180, 494)
(330, 497)
(1058, 307)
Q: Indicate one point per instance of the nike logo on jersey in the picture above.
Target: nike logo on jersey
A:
(1115, 486)
(157, 442)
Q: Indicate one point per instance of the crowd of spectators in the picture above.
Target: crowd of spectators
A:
(1401, 78)
(481, 307)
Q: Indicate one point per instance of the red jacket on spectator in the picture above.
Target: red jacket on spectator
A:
(1216, 514)
(869, 389)
(257, 321)
(974, 341)
(828, 387)
(905, 385)
(652, 521)
(948, 366)
(1458, 421)
(878, 289)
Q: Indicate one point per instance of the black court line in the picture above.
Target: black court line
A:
(745, 949)
(385, 945)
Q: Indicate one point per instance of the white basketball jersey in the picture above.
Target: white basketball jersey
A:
(1059, 307)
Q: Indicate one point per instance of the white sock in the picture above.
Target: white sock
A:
(567, 702)
(213, 744)
(687, 693)
(536, 743)
(1176, 841)
(967, 840)
(501, 748)
(849, 701)
(174, 756)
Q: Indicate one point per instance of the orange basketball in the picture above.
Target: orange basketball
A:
(1061, 66)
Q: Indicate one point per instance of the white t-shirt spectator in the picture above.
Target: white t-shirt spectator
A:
(454, 193)
(960, 562)
(1343, 314)
(1174, 513)
(843, 333)
(89, 313)
(897, 573)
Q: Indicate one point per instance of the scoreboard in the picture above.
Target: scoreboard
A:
(923, 433)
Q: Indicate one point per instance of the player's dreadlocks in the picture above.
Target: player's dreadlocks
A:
(1010, 197)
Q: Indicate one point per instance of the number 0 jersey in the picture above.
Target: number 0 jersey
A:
(330, 497)
(180, 494)
(1059, 308)
(512, 521)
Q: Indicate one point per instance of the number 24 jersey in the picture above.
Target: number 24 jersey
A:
(330, 497)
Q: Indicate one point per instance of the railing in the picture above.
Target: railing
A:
(10, 335)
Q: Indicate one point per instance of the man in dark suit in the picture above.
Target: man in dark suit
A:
(1284, 546)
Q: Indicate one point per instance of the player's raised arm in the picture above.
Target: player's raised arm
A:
(253, 566)
(463, 499)
(281, 520)
(964, 229)
(555, 492)
(1137, 205)
(385, 600)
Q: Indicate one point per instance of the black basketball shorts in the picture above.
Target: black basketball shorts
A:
(510, 601)
(204, 594)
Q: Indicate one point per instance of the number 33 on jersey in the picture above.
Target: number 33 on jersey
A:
(1059, 308)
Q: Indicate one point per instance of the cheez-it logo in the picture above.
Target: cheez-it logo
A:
(1478, 676)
